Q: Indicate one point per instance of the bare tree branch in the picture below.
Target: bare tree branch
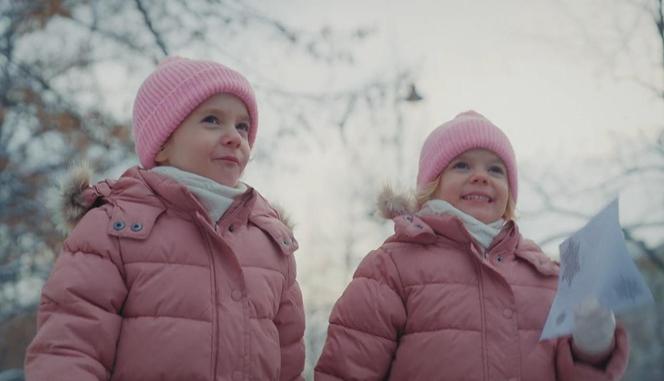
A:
(645, 249)
(111, 35)
(148, 24)
(623, 176)
(659, 22)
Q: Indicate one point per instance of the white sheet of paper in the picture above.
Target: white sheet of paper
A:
(594, 262)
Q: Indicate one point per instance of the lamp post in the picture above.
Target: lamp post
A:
(413, 96)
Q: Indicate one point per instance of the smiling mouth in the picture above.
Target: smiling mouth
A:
(477, 197)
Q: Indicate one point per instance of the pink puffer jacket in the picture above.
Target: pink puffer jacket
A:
(146, 288)
(426, 306)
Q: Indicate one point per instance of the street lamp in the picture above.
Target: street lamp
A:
(413, 95)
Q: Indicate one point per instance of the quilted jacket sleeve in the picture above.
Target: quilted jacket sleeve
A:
(290, 323)
(571, 369)
(365, 323)
(78, 322)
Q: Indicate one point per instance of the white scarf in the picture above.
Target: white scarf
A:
(215, 197)
(483, 233)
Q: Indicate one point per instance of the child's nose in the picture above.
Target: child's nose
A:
(232, 138)
(479, 177)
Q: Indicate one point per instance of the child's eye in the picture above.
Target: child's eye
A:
(497, 169)
(244, 127)
(460, 165)
(211, 119)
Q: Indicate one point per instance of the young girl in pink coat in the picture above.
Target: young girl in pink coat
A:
(177, 270)
(457, 293)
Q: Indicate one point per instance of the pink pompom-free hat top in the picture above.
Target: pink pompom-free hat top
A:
(468, 130)
(176, 87)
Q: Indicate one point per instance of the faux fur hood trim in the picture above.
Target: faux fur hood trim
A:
(71, 204)
(283, 216)
(391, 204)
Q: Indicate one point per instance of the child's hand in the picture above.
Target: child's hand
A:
(594, 328)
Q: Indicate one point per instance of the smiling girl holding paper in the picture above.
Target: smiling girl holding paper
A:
(457, 293)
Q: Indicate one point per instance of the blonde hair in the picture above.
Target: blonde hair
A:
(425, 193)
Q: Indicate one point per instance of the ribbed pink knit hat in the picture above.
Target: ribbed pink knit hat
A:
(176, 87)
(466, 131)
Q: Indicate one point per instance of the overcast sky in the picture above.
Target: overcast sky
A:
(560, 77)
(553, 74)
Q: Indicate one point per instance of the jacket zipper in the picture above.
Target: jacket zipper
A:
(485, 365)
(214, 299)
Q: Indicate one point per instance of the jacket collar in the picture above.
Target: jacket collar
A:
(427, 229)
(152, 190)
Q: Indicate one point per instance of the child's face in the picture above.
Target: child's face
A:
(211, 141)
(475, 182)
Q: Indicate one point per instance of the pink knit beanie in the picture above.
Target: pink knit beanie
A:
(466, 131)
(176, 87)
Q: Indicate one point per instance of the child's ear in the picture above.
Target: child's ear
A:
(162, 155)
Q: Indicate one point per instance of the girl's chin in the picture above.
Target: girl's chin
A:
(477, 215)
(227, 182)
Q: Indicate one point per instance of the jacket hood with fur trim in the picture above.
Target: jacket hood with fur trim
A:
(409, 227)
(77, 196)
